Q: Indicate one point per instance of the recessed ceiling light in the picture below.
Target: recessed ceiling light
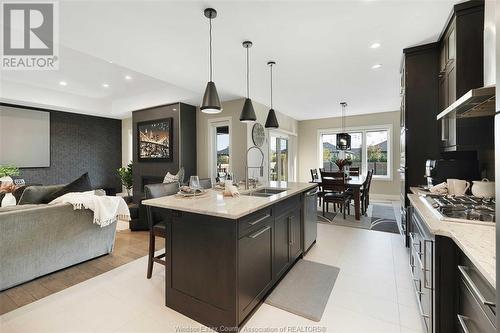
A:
(63, 83)
(105, 85)
(375, 45)
(377, 66)
(128, 77)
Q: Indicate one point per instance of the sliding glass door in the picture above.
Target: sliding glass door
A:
(279, 159)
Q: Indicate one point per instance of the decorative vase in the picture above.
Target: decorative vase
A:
(6, 179)
(8, 200)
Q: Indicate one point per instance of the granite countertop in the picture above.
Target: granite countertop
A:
(215, 204)
(477, 241)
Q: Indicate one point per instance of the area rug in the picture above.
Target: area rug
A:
(305, 290)
(383, 219)
(327, 218)
(380, 218)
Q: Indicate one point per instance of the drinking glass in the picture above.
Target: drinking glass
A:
(194, 182)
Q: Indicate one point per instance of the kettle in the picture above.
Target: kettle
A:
(483, 188)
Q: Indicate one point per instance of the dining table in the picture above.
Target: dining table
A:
(354, 183)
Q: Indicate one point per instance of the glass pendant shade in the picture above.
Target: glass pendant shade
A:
(343, 141)
(272, 121)
(211, 102)
(248, 113)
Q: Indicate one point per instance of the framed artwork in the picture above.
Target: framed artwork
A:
(154, 140)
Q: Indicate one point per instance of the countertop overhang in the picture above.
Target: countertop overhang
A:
(477, 241)
(215, 204)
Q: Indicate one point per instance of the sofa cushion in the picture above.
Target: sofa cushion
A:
(36, 194)
(81, 184)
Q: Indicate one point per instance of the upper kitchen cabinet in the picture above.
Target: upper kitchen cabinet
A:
(461, 61)
(419, 107)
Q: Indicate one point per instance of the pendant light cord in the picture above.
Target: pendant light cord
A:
(210, 46)
(271, 86)
(248, 75)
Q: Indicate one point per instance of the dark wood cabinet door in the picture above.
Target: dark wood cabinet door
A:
(281, 245)
(295, 248)
(255, 275)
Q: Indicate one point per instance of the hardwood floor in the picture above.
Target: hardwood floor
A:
(129, 246)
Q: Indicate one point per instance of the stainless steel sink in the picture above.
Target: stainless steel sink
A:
(265, 192)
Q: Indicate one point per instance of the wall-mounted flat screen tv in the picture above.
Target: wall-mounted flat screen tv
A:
(24, 137)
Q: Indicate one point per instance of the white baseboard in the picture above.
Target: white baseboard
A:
(389, 197)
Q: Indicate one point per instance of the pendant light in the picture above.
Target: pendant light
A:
(248, 114)
(343, 139)
(211, 102)
(271, 121)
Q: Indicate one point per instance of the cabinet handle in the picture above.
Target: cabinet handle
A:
(475, 289)
(260, 232)
(259, 220)
(290, 231)
(461, 321)
(418, 293)
(424, 268)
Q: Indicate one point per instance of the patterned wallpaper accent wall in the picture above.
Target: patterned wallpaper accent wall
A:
(79, 144)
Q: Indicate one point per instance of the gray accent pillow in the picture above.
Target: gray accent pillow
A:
(36, 194)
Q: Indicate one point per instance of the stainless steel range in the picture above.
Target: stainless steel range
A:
(466, 209)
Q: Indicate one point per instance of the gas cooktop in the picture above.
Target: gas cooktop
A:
(462, 208)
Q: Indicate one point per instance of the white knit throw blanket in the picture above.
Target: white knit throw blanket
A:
(106, 209)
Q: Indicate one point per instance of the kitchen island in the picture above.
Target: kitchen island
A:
(225, 254)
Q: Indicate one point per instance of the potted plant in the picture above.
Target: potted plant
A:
(125, 174)
(6, 173)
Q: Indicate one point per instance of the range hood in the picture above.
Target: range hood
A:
(479, 102)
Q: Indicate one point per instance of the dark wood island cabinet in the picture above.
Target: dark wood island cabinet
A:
(220, 267)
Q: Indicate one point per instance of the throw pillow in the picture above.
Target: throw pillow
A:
(80, 184)
(35, 194)
(169, 178)
(177, 178)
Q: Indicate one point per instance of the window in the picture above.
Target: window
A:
(376, 152)
(219, 146)
(370, 149)
(278, 162)
(331, 153)
(222, 143)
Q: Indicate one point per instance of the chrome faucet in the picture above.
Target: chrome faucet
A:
(253, 167)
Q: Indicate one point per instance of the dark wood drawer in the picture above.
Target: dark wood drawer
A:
(471, 318)
(253, 221)
(287, 205)
(479, 287)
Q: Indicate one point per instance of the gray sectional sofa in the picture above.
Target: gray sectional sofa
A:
(37, 239)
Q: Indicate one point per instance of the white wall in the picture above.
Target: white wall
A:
(241, 138)
(308, 147)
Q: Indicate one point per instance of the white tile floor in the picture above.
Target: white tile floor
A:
(372, 294)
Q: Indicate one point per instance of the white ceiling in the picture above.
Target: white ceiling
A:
(322, 50)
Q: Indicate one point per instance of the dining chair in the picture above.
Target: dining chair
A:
(365, 192)
(157, 221)
(314, 174)
(206, 183)
(335, 191)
